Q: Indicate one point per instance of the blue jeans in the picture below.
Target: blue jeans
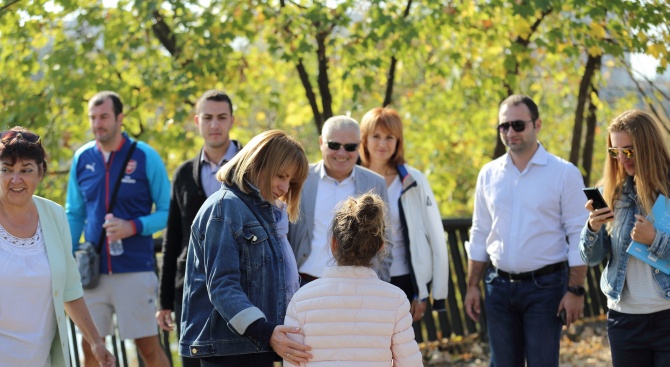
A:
(253, 359)
(639, 340)
(522, 321)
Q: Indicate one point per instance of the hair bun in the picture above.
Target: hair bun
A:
(359, 230)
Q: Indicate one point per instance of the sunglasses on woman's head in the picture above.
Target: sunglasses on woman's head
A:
(614, 152)
(351, 147)
(517, 125)
(10, 135)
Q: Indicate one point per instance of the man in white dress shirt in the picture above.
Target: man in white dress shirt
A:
(331, 181)
(528, 214)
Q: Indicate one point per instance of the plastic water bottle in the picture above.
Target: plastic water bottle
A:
(115, 247)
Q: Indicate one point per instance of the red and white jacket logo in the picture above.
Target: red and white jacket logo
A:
(131, 166)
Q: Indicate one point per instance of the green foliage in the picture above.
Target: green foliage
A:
(455, 62)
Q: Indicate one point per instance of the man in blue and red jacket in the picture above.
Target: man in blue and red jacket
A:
(128, 283)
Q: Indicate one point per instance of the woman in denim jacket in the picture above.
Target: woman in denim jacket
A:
(638, 295)
(240, 270)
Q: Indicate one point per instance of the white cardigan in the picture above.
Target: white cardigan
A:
(351, 318)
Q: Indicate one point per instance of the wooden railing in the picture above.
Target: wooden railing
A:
(434, 325)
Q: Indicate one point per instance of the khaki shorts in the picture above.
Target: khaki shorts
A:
(132, 296)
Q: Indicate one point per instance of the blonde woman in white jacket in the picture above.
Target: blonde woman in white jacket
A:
(419, 246)
(349, 316)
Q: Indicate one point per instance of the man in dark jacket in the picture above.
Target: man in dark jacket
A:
(193, 182)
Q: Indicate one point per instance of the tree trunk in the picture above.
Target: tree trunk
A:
(311, 97)
(322, 79)
(390, 80)
(591, 120)
(592, 65)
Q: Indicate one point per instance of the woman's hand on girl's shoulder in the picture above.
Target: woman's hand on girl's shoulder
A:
(288, 348)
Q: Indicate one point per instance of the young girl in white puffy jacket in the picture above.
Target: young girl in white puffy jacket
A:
(349, 317)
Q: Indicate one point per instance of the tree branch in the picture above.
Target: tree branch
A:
(499, 149)
(525, 42)
(307, 85)
(641, 90)
(4, 7)
(165, 35)
(390, 76)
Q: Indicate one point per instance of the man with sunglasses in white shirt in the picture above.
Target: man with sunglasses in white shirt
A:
(528, 215)
(330, 181)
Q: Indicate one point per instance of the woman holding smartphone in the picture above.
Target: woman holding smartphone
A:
(637, 170)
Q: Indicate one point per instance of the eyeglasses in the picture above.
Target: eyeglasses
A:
(10, 135)
(628, 152)
(517, 125)
(350, 147)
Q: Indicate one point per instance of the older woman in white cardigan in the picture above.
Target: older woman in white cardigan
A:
(40, 279)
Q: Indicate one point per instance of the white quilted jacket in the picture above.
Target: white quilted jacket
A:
(351, 318)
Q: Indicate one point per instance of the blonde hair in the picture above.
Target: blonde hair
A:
(359, 229)
(388, 120)
(652, 162)
(267, 155)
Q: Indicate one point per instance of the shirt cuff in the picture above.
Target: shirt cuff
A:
(476, 253)
(137, 226)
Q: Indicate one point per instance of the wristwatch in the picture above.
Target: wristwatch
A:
(579, 290)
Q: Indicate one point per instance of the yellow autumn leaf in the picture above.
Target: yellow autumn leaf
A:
(642, 37)
(468, 81)
(597, 30)
(39, 41)
(595, 50)
(560, 46)
(655, 50)
(522, 28)
(260, 116)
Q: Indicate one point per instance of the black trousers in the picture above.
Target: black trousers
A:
(242, 360)
(639, 339)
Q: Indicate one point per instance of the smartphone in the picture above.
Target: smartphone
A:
(594, 194)
(563, 316)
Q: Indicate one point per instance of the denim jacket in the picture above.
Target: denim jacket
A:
(594, 247)
(234, 275)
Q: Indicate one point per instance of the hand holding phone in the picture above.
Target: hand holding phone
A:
(596, 220)
(594, 194)
(563, 316)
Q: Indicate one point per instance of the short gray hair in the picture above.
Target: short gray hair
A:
(340, 122)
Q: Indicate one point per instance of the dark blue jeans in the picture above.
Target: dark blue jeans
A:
(639, 340)
(522, 321)
(251, 360)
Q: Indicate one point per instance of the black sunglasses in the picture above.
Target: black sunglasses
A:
(10, 135)
(614, 152)
(350, 147)
(517, 125)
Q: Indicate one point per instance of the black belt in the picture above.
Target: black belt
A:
(529, 275)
